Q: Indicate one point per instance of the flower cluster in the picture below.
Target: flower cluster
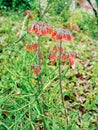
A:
(54, 55)
(40, 28)
(55, 50)
(31, 47)
(37, 70)
(62, 34)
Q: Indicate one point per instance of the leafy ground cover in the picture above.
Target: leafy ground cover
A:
(21, 98)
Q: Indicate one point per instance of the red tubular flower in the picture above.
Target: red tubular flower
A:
(36, 47)
(72, 63)
(58, 37)
(31, 17)
(60, 49)
(52, 56)
(63, 57)
(70, 37)
(53, 34)
(41, 32)
(64, 37)
(71, 60)
(31, 30)
(70, 56)
(28, 12)
(28, 47)
(37, 70)
(32, 47)
(55, 49)
(50, 30)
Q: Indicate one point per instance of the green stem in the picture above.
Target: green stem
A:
(39, 57)
(60, 83)
(39, 61)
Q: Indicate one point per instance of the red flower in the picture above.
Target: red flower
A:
(36, 47)
(57, 49)
(63, 57)
(70, 37)
(40, 28)
(53, 34)
(28, 12)
(28, 47)
(58, 37)
(71, 60)
(70, 56)
(60, 49)
(37, 70)
(31, 30)
(72, 63)
(31, 17)
(64, 37)
(52, 56)
(50, 30)
(32, 47)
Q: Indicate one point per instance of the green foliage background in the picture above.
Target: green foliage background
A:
(17, 4)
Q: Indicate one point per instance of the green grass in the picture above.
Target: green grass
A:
(23, 101)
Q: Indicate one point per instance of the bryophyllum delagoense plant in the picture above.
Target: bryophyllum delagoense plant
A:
(40, 29)
(58, 52)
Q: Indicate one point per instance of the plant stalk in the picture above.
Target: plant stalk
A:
(60, 83)
(39, 57)
(39, 60)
